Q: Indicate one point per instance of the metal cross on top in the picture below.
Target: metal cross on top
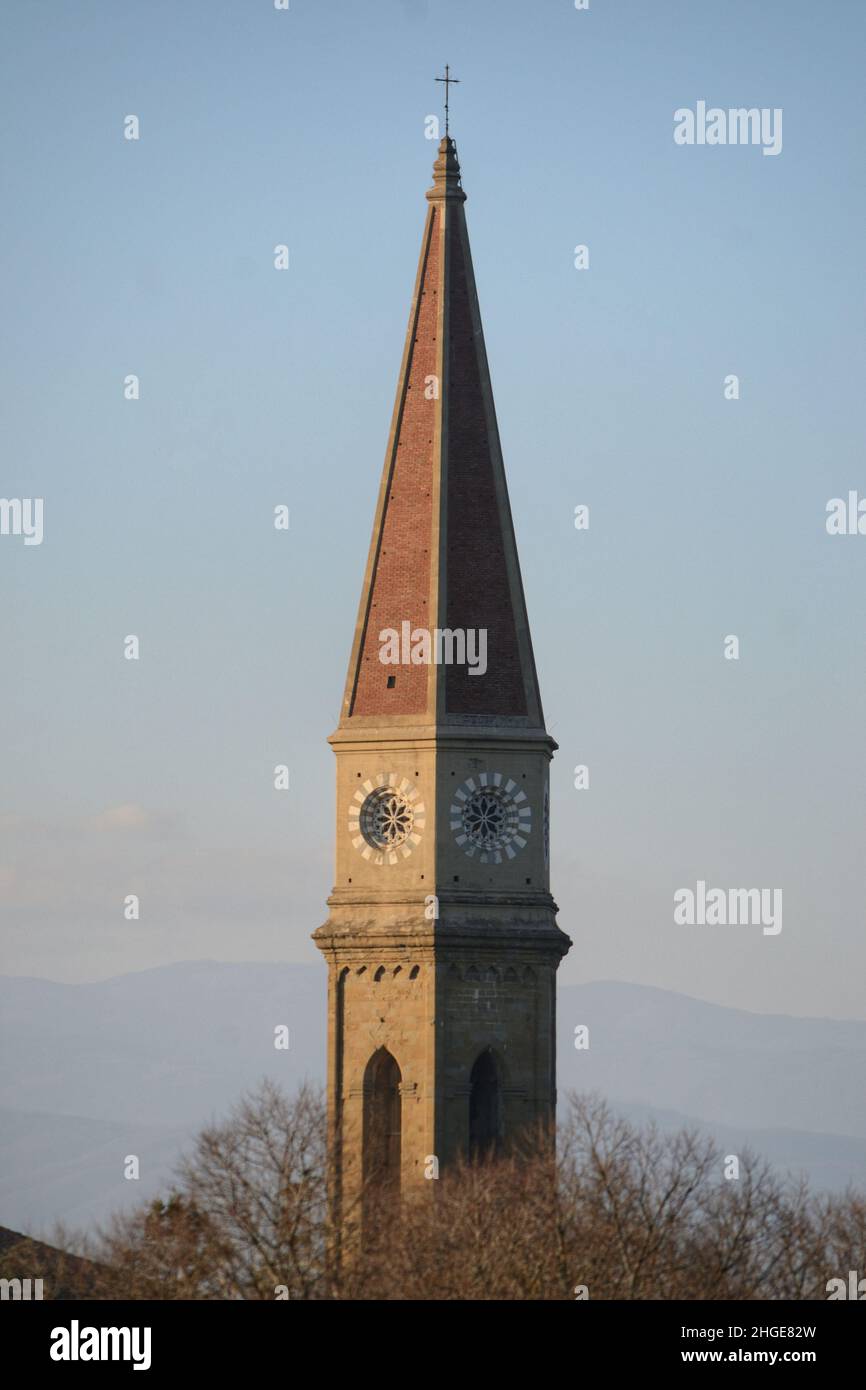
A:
(448, 80)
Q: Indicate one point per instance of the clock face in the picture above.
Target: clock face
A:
(491, 817)
(386, 818)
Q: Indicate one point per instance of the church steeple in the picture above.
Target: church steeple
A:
(442, 943)
(443, 554)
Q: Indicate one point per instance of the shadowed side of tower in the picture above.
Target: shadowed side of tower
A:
(441, 943)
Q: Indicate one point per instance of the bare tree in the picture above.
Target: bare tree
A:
(608, 1211)
(247, 1219)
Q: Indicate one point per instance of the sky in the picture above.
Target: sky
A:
(155, 257)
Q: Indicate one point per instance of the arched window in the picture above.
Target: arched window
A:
(485, 1107)
(382, 1120)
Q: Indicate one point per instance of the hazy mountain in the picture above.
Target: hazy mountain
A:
(70, 1168)
(170, 1046)
(767, 1071)
(136, 1064)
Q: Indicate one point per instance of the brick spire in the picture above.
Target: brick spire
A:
(443, 552)
(441, 939)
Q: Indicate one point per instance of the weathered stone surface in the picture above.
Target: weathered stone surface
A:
(442, 944)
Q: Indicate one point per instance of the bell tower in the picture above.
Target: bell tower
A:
(442, 944)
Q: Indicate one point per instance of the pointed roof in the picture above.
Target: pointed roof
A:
(443, 553)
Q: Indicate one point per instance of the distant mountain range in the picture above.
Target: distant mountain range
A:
(135, 1065)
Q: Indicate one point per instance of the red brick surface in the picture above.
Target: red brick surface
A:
(478, 594)
(401, 582)
(477, 587)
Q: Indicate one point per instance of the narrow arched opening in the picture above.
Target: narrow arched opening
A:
(382, 1121)
(486, 1129)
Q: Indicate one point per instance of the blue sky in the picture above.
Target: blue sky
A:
(155, 257)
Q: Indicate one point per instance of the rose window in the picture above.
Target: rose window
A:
(486, 818)
(491, 817)
(386, 819)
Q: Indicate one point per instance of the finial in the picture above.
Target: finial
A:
(446, 174)
(448, 80)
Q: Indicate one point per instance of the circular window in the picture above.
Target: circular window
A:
(491, 817)
(386, 818)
